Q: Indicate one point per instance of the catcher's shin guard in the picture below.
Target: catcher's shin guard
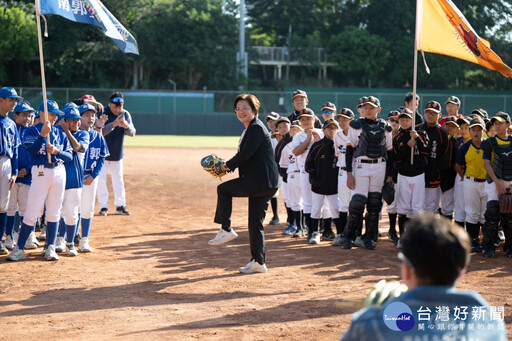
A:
(372, 216)
(507, 231)
(490, 228)
(355, 214)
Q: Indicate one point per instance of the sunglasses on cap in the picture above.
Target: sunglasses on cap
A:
(327, 112)
(118, 100)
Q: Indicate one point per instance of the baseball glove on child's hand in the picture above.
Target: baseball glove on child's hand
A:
(506, 202)
(213, 165)
(383, 292)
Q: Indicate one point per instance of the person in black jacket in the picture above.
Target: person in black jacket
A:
(258, 180)
(410, 187)
(323, 176)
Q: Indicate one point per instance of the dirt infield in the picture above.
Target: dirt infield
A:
(153, 275)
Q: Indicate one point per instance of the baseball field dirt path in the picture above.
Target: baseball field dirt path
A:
(153, 276)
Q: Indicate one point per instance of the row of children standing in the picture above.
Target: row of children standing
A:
(49, 166)
(338, 171)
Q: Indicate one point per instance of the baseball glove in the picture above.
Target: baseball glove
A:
(388, 192)
(506, 202)
(383, 292)
(213, 165)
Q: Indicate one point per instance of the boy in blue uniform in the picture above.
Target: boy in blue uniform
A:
(48, 180)
(9, 142)
(23, 114)
(79, 140)
(94, 160)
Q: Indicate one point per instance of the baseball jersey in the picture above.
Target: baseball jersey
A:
(470, 157)
(24, 159)
(353, 138)
(340, 147)
(95, 154)
(75, 167)
(288, 160)
(440, 154)
(36, 145)
(322, 169)
(402, 153)
(9, 142)
(115, 136)
(298, 140)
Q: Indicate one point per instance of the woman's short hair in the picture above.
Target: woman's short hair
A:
(253, 101)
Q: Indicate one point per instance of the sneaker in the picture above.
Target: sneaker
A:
(359, 241)
(60, 244)
(122, 210)
(347, 244)
(70, 250)
(338, 240)
(3, 249)
(497, 242)
(84, 245)
(42, 235)
(289, 230)
(329, 236)
(50, 253)
(299, 234)
(399, 244)
(369, 244)
(9, 243)
(315, 238)
(475, 246)
(489, 253)
(32, 242)
(392, 237)
(77, 239)
(274, 221)
(501, 235)
(253, 267)
(103, 211)
(16, 255)
(223, 237)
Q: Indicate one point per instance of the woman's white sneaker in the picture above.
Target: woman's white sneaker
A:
(223, 237)
(253, 267)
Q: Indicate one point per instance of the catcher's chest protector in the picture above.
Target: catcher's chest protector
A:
(502, 163)
(372, 141)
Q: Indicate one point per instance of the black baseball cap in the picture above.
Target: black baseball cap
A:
(454, 100)
(374, 101)
(477, 121)
(433, 106)
(406, 112)
(393, 113)
(272, 116)
(299, 93)
(480, 112)
(306, 112)
(346, 112)
(501, 117)
(453, 120)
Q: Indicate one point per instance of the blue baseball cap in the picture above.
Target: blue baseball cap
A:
(53, 107)
(86, 106)
(23, 106)
(71, 113)
(8, 92)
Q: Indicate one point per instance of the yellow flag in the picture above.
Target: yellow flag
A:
(441, 28)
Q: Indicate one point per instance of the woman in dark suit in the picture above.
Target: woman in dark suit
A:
(258, 181)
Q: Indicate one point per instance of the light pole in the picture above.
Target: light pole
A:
(174, 88)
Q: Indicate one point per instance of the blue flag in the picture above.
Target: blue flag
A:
(91, 12)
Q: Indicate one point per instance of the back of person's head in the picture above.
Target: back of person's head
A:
(408, 97)
(437, 249)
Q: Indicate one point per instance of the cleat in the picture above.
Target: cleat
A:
(32, 242)
(9, 243)
(60, 244)
(50, 254)
(315, 238)
(103, 211)
(329, 236)
(16, 255)
(369, 244)
(77, 239)
(70, 250)
(289, 230)
(122, 210)
(84, 245)
(347, 244)
(274, 221)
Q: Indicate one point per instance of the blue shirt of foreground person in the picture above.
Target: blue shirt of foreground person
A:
(435, 254)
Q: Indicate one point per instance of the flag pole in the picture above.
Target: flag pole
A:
(43, 80)
(419, 6)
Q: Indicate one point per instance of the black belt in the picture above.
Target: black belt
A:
(371, 161)
(343, 168)
(475, 179)
(51, 165)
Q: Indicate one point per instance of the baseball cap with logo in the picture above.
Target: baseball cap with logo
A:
(374, 101)
(452, 120)
(85, 107)
(306, 112)
(361, 101)
(346, 112)
(405, 112)
(329, 122)
(296, 124)
(480, 112)
(454, 100)
(282, 119)
(299, 93)
(71, 113)
(433, 106)
(53, 107)
(501, 117)
(272, 116)
(477, 121)
(91, 97)
(393, 113)
(23, 106)
(329, 106)
(8, 92)
(462, 120)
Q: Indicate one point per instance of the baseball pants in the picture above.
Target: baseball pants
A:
(369, 177)
(71, 205)
(492, 192)
(294, 191)
(410, 194)
(116, 172)
(475, 201)
(305, 188)
(5, 175)
(88, 200)
(432, 197)
(321, 203)
(286, 195)
(447, 202)
(459, 211)
(344, 193)
(18, 199)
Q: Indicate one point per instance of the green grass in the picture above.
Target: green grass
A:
(175, 141)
